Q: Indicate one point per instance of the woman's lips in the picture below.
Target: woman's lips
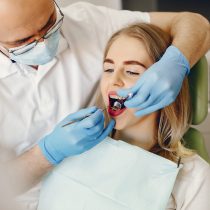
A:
(115, 113)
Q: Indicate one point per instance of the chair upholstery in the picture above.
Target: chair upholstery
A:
(195, 141)
(198, 83)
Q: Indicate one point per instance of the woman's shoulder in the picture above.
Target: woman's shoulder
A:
(192, 184)
(195, 167)
(194, 174)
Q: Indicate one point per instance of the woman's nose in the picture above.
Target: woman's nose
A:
(117, 79)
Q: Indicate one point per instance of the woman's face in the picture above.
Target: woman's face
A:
(126, 60)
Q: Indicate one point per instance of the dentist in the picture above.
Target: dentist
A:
(50, 63)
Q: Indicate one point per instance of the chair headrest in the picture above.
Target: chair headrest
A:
(198, 83)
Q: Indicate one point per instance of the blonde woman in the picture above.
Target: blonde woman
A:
(129, 53)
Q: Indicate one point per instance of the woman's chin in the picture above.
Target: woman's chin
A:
(119, 126)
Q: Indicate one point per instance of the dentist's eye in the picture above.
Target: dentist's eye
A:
(133, 73)
(109, 70)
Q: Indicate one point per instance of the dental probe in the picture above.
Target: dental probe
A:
(118, 105)
(114, 107)
(82, 118)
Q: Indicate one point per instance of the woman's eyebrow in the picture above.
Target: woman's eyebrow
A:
(107, 60)
(133, 62)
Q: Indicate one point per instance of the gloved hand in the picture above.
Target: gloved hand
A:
(77, 137)
(160, 84)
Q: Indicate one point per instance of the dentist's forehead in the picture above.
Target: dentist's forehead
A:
(21, 16)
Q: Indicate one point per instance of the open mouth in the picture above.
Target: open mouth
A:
(116, 104)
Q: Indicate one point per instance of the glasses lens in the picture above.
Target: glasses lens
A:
(23, 49)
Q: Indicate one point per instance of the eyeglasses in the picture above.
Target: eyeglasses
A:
(30, 46)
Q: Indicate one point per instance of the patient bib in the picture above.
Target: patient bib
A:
(114, 175)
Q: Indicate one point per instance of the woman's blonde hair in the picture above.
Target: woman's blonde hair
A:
(174, 119)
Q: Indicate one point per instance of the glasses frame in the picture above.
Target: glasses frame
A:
(46, 36)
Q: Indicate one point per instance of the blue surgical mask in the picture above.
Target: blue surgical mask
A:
(41, 54)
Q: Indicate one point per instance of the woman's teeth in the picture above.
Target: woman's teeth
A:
(116, 102)
(117, 97)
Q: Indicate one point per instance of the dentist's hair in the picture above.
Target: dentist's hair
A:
(173, 120)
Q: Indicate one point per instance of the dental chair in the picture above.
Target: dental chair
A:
(198, 82)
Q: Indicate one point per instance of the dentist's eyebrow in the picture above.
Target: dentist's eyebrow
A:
(134, 63)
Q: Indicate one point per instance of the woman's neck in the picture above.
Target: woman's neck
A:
(142, 134)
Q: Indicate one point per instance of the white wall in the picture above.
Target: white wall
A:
(116, 4)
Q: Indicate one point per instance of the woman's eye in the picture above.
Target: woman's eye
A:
(109, 70)
(132, 73)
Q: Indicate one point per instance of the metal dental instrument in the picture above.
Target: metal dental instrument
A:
(118, 105)
(79, 119)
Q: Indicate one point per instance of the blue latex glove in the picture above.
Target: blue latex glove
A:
(77, 137)
(160, 84)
